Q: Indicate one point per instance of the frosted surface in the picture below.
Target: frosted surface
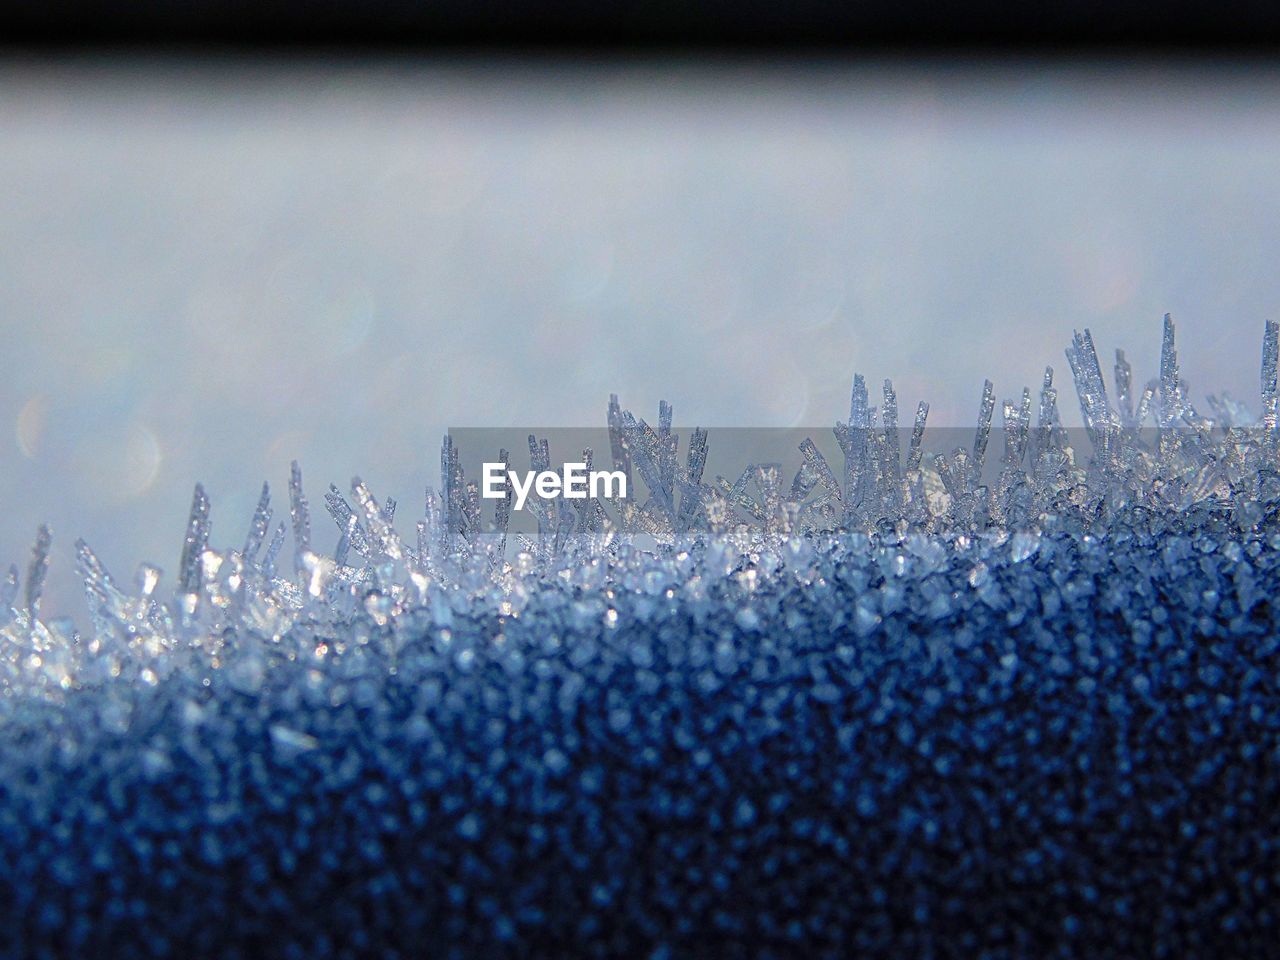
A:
(894, 710)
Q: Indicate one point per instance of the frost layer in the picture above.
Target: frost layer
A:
(888, 710)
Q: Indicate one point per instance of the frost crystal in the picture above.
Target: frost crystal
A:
(932, 706)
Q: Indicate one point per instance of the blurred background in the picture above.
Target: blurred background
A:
(211, 265)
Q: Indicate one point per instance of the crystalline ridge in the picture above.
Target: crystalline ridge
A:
(1015, 699)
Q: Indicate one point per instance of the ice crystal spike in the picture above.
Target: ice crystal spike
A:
(1082, 357)
(1098, 384)
(619, 442)
(1168, 374)
(891, 468)
(299, 516)
(501, 509)
(1048, 427)
(258, 526)
(917, 436)
(38, 570)
(1270, 357)
(1168, 394)
(983, 432)
(858, 403)
(691, 483)
(97, 580)
(1017, 423)
(273, 551)
(385, 541)
(196, 542)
